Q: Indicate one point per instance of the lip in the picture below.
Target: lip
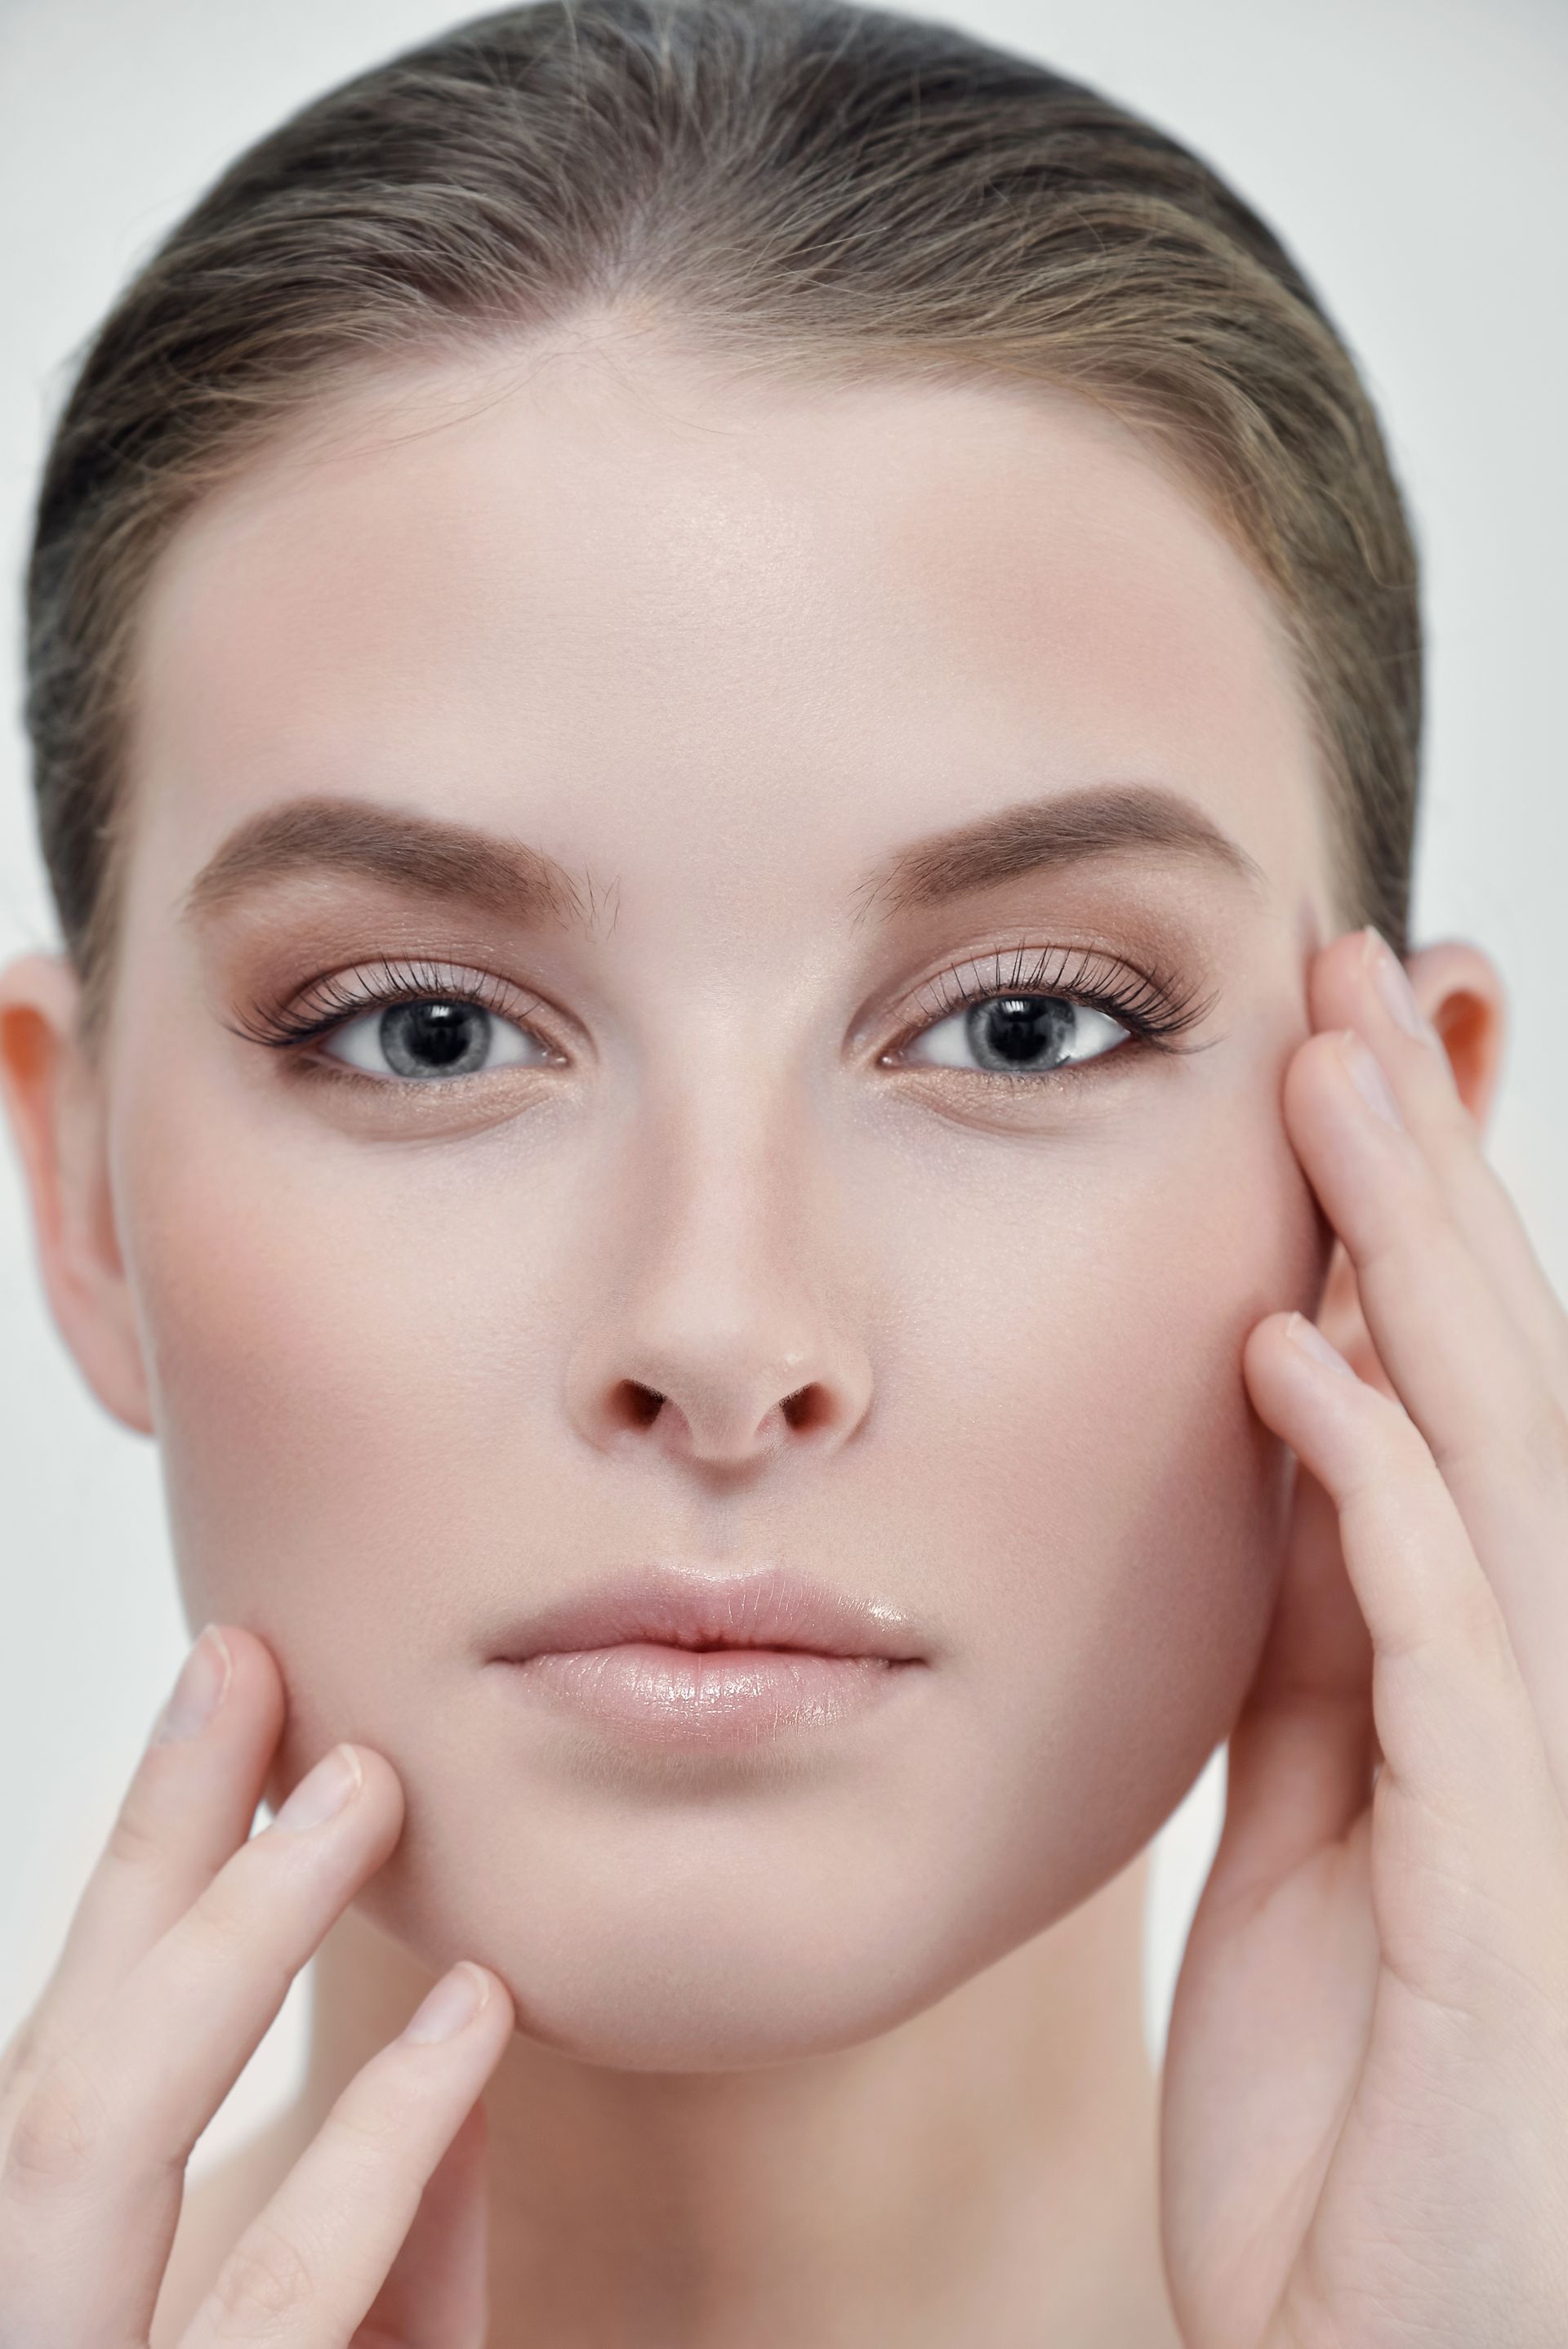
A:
(679, 1608)
(685, 1658)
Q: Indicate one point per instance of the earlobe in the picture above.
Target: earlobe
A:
(54, 1099)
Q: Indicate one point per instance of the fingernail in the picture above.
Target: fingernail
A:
(323, 1792)
(1311, 1339)
(453, 2004)
(1393, 987)
(1366, 1076)
(198, 1691)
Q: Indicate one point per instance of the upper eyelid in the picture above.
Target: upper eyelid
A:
(403, 979)
(1169, 999)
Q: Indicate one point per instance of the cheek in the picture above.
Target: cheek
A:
(1109, 1506)
(349, 1360)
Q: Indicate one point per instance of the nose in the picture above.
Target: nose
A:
(725, 1335)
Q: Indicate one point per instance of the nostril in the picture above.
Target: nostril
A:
(634, 1406)
(643, 1404)
(803, 1407)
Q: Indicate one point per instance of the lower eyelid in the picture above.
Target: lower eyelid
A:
(309, 1068)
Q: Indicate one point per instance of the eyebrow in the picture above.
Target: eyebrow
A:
(1066, 829)
(420, 854)
(430, 856)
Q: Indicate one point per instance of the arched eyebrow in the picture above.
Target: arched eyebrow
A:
(428, 855)
(424, 855)
(1064, 829)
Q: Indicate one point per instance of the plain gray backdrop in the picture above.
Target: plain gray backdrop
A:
(1410, 152)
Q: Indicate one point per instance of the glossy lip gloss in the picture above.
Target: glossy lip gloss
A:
(677, 1657)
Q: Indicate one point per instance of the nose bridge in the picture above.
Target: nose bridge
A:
(724, 1166)
(725, 1301)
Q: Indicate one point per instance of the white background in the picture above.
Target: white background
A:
(1411, 154)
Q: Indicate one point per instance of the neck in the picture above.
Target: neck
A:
(986, 2170)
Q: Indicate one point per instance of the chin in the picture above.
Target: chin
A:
(690, 1965)
(729, 1939)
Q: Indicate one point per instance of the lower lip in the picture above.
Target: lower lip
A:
(711, 1696)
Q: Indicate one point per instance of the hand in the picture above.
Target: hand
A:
(1365, 2123)
(179, 1957)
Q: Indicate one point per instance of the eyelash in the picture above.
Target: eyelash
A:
(332, 1001)
(1156, 1009)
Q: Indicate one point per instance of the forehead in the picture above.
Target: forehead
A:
(631, 605)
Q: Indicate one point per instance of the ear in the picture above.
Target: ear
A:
(1462, 991)
(54, 1096)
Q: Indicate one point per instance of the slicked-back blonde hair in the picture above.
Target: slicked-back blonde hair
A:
(794, 183)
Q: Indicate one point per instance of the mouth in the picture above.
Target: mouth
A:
(681, 1657)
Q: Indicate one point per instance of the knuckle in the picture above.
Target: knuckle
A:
(60, 2131)
(1479, 1624)
(1547, 1443)
(134, 1843)
(218, 1931)
(1398, 1432)
(1523, 1437)
(265, 2280)
(206, 1952)
(250, 1894)
(371, 2127)
(1392, 1445)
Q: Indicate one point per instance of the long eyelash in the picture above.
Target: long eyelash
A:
(1156, 1007)
(329, 1001)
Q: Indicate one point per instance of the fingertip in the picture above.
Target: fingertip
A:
(256, 1684)
(497, 2014)
(1293, 1373)
(1336, 979)
(380, 1786)
(466, 1994)
(1311, 1069)
(1261, 1350)
(1309, 1342)
(373, 1763)
(499, 1996)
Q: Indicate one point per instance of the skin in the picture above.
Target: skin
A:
(838, 2040)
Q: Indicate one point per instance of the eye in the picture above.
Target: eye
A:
(1026, 1011)
(1018, 1035)
(431, 1037)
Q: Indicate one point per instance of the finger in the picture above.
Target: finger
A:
(91, 2188)
(306, 2273)
(1357, 981)
(1461, 1370)
(188, 1808)
(435, 2292)
(1477, 1834)
(1434, 1313)
(1303, 1747)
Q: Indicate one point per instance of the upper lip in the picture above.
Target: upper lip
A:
(691, 1608)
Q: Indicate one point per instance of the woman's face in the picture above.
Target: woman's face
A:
(759, 668)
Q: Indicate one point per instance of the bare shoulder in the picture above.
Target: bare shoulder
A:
(217, 2208)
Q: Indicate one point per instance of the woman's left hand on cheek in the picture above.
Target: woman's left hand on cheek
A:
(1365, 2114)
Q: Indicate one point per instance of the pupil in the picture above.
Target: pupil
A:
(434, 1037)
(1012, 1030)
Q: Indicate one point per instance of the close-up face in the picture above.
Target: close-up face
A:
(706, 969)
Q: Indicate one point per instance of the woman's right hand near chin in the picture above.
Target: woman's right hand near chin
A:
(180, 1954)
